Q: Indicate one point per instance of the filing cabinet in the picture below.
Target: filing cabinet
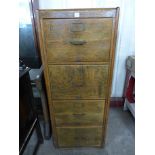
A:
(77, 50)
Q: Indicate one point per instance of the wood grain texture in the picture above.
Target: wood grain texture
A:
(78, 58)
(77, 137)
(46, 74)
(112, 56)
(78, 81)
(61, 33)
(84, 13)
(78, 112)
(78, 106)
(76, 119)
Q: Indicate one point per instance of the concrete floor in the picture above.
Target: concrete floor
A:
(120, 138)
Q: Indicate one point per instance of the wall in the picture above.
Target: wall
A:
(125, 41)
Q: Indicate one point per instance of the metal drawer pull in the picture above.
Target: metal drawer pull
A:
(77, 42)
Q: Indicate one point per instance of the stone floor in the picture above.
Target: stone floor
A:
(120, 138)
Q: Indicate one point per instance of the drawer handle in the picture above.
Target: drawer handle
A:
(78, 115)
(77, 42)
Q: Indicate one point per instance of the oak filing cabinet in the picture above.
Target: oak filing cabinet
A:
(77, 50)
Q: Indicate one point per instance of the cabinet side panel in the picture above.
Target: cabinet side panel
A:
(111, 66)
(46, 73)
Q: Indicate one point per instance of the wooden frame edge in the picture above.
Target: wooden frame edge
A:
(112, 52)
(45, 70)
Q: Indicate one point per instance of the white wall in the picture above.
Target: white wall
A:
(125, 42)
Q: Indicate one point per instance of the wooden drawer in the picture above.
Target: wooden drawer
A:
(72, 137)
(77, 40)
(76, 119)
(78, 81)
(78, 106)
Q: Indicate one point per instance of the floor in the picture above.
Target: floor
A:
(120, 138)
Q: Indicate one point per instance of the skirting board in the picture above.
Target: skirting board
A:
(116, 101)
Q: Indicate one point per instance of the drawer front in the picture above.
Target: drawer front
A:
(78, 81)
(77, 40)
(72, 137)
(78, 106)
(76, 119)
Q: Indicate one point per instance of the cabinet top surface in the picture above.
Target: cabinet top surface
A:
(84, 12)
(82, 9)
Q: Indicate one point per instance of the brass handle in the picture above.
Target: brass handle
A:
(77, 42)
